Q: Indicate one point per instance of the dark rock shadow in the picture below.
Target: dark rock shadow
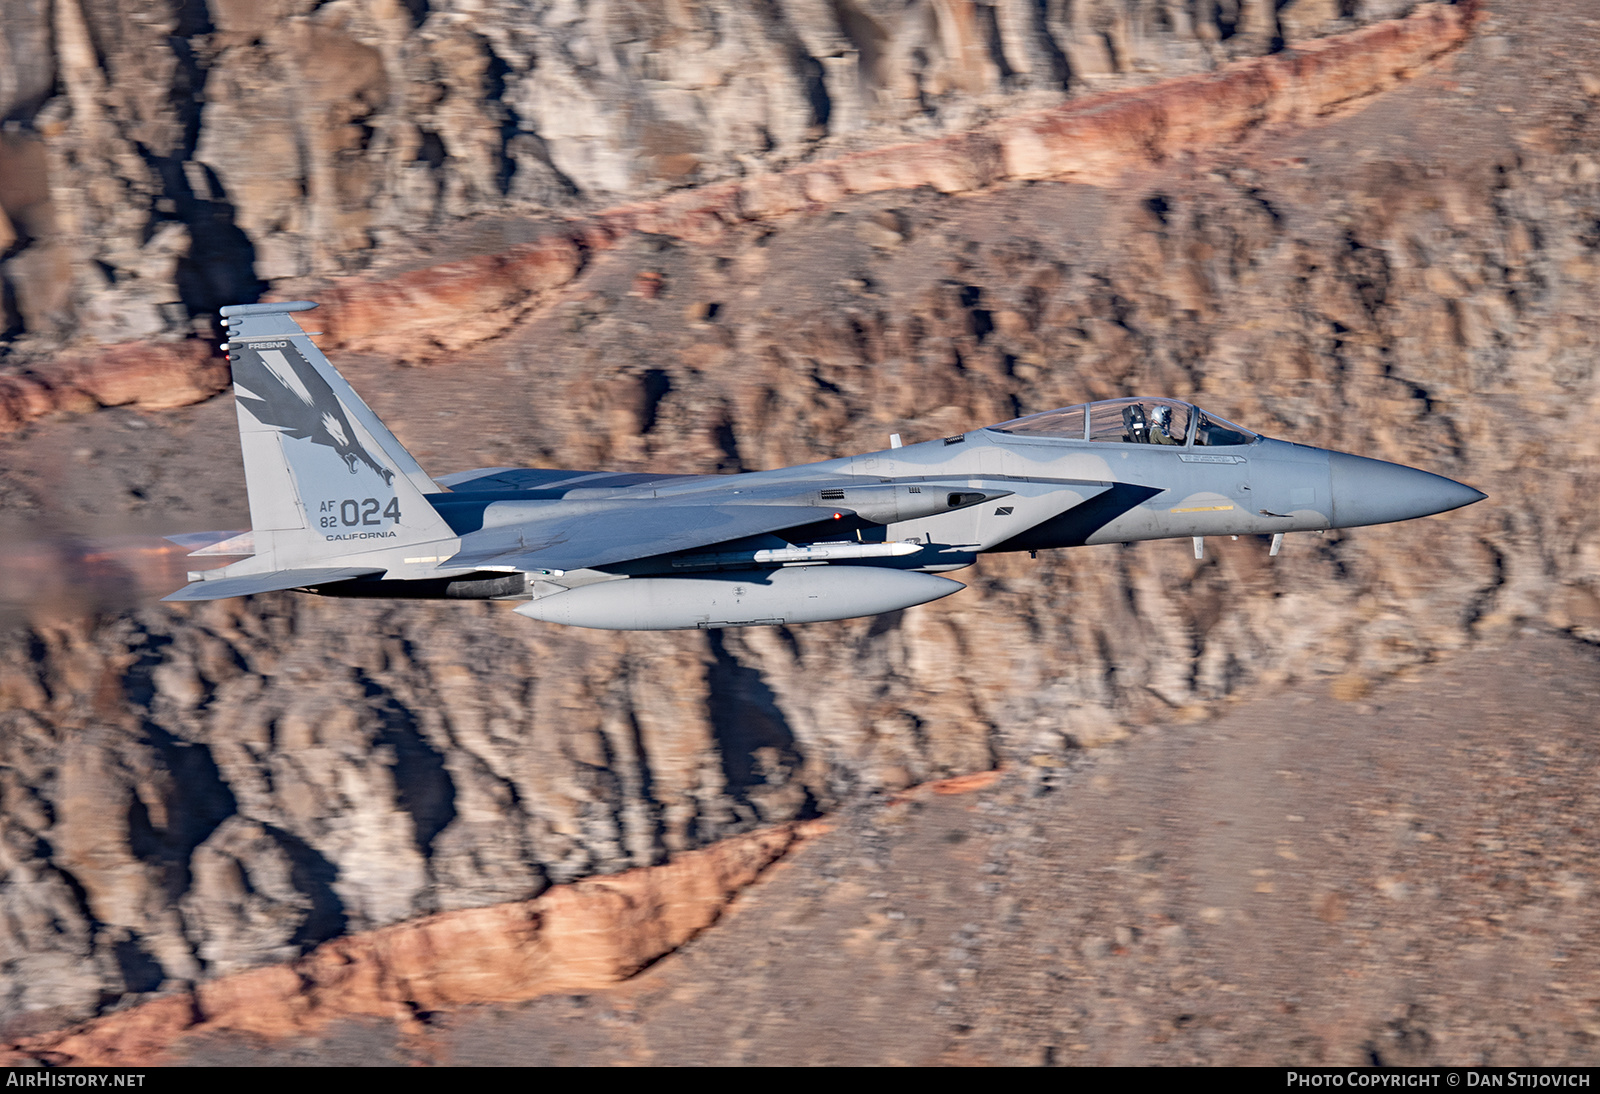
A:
(196, 801)
(423, 788)
(757, 746)
(314, 876)
(140, 972)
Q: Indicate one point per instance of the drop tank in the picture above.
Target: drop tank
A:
(740, 598)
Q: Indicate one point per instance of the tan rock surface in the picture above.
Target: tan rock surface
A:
(1401, 878)
(443, 308)
(1413, 280)
(1098, 140)
(1404, 880)
(573, 938)
(197, 153)
(150, 376)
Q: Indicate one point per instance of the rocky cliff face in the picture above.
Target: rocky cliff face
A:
(187, 791)
(573, 938)
(162, 159)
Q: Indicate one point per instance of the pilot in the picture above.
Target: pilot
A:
(1161, 426)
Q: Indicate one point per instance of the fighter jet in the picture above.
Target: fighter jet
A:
(339, 507)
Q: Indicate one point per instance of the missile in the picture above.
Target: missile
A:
(815, 552)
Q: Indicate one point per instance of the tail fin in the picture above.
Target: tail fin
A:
(326, 479)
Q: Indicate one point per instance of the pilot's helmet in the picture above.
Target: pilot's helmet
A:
(1161, 418)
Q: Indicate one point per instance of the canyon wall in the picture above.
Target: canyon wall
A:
(186, 791)
(160, 160)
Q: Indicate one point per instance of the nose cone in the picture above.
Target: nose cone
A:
(1374, 492)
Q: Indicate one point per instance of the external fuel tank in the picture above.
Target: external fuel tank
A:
(739, 598)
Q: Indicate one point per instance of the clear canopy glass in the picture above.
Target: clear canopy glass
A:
(1131, 421)
(1214, 431)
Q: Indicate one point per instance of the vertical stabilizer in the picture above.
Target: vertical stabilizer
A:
(325, 477)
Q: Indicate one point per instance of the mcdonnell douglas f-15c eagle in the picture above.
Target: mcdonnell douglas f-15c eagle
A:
(338, 507)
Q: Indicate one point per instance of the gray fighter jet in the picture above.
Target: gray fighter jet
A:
(338, 507)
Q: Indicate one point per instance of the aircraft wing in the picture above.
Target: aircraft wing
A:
(630, 530)
(247, 584)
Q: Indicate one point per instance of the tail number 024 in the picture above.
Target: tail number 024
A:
(351, 513)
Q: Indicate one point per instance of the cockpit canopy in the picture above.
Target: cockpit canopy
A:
(1131, 421)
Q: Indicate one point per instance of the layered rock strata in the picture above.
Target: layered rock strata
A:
(147, 375)
(1095, 140)
(441, 308)
(185, 792)
(573, 938)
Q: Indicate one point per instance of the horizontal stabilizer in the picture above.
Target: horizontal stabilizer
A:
(248, 584)
(196, 541)
(216, 544)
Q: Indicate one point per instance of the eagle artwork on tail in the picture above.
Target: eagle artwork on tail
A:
(279, 386)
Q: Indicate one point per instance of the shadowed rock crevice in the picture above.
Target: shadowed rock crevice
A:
(218, 266)
(761, 760)
(140, 971)
(654, 385)
(314, 876)
(1484, 601)
(644, 827)
(193, 800)
(423, 787)
(871, 43)
(1061, 75)
(775, 20)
